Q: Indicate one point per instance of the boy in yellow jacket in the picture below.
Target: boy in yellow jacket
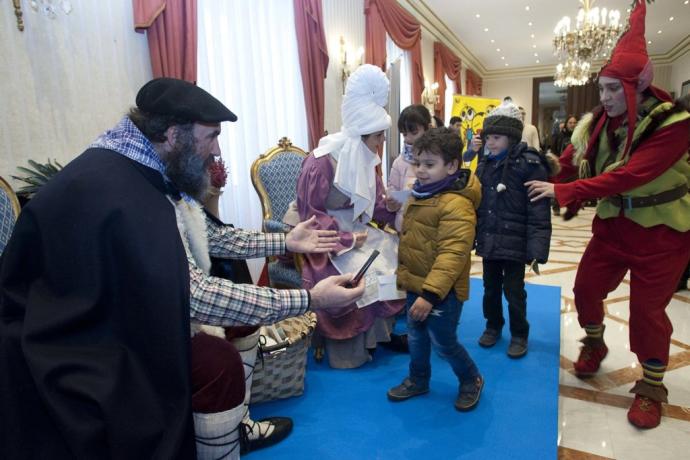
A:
(434, 264)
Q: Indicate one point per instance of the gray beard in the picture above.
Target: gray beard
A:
(186, 169)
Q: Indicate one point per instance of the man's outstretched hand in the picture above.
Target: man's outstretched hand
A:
(332, 292)
(305, 238)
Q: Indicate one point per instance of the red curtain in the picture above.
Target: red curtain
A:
(383, 16)
(170, 27)
(445, 63)
(473, 84)
(313, 61)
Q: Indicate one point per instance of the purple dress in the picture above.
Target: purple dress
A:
(316, 194)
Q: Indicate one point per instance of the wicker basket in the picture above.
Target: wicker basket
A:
(279, 369)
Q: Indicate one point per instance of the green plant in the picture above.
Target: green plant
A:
(36, 176)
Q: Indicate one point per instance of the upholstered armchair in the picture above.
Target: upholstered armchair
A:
(274, 175)
(9, 211)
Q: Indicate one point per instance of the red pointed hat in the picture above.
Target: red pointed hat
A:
(630, 64)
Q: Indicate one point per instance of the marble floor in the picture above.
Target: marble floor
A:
(592, 418)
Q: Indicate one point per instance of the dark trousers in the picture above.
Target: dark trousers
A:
(505, 277)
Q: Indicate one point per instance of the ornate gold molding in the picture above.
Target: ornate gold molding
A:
(18, 12)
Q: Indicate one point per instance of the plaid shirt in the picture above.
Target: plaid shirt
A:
(217, 301)
(220, 302)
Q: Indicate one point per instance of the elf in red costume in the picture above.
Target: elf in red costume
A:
(632, 154)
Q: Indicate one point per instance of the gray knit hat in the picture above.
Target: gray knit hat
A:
(504, 119)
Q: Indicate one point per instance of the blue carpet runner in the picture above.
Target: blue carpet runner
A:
(344, 414)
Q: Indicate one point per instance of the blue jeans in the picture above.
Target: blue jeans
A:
(440, 328)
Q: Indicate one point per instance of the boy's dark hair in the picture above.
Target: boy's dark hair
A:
(454, 120)
(412, 117)
(154, 126)
(440, 141)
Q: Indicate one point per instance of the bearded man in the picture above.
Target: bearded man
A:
(98, 282)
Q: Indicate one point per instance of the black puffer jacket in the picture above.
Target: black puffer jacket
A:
(509, 226)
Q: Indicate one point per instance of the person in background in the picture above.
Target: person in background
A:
(434, 265)
(455, 124)
(530, 134)
(561, 142)
(436, 122)
(413, 122)
(632, 153)
(511, 231)
(100, 277)
(339, 185)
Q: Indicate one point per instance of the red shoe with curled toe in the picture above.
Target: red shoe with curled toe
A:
(592, 354)
(644, 412)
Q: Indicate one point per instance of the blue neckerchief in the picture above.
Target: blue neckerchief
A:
(498, 156)
(407, 153)
(429, 190)
(126, 139)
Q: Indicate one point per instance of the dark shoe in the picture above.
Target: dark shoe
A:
(645, 412)
(398, 343)
(592, 353)
(489, 338)
(253, 436)
(406, 390)
(468, 398)
(517, 347)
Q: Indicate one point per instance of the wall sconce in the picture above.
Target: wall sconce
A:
(348, 65)
(430, 95)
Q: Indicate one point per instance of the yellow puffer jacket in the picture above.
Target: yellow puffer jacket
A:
(436, 240)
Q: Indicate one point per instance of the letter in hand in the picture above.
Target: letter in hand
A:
(360, 238)
(392, 204)
(332, 292)
(307, 238)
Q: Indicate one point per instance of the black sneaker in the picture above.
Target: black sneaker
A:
(252, 437)
(406, 390)
(489, 338)
(468, 397)
(517, 347)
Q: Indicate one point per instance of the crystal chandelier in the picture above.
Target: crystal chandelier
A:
(593, 36)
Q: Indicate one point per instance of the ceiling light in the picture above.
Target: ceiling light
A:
(492, 40)
(537, 61)
(506, 64)
(649, 42)
(628, 10)
(532, 35)
(527, 8)
(671, 18)
(536, 54)
(578, 41)
(529, 23)
(477, 16)
(534, 46)
(503, 58)
(658, 31)
(498, 49)
(685, 2)
(486, 29)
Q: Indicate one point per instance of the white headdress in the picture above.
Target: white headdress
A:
(362, 112)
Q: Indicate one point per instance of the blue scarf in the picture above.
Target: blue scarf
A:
(428, 190)
(126, 139)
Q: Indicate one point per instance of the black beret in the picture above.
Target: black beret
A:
(179, 98)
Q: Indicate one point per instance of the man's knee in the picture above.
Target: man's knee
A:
(217, 375)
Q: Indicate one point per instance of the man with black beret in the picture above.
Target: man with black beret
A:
(101, 275)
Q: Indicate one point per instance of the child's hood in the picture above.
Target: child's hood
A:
(468, 185)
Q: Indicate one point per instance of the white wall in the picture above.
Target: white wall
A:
(341, 18)
(680, 72)
(66, 80)
(520, 89)
(428, 56)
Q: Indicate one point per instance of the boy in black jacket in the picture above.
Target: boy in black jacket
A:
(511, 231)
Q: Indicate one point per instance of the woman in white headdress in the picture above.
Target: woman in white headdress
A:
(340, 186)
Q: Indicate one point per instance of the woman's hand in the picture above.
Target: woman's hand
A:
(537, 190)
(360, 238)
(392, 204)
